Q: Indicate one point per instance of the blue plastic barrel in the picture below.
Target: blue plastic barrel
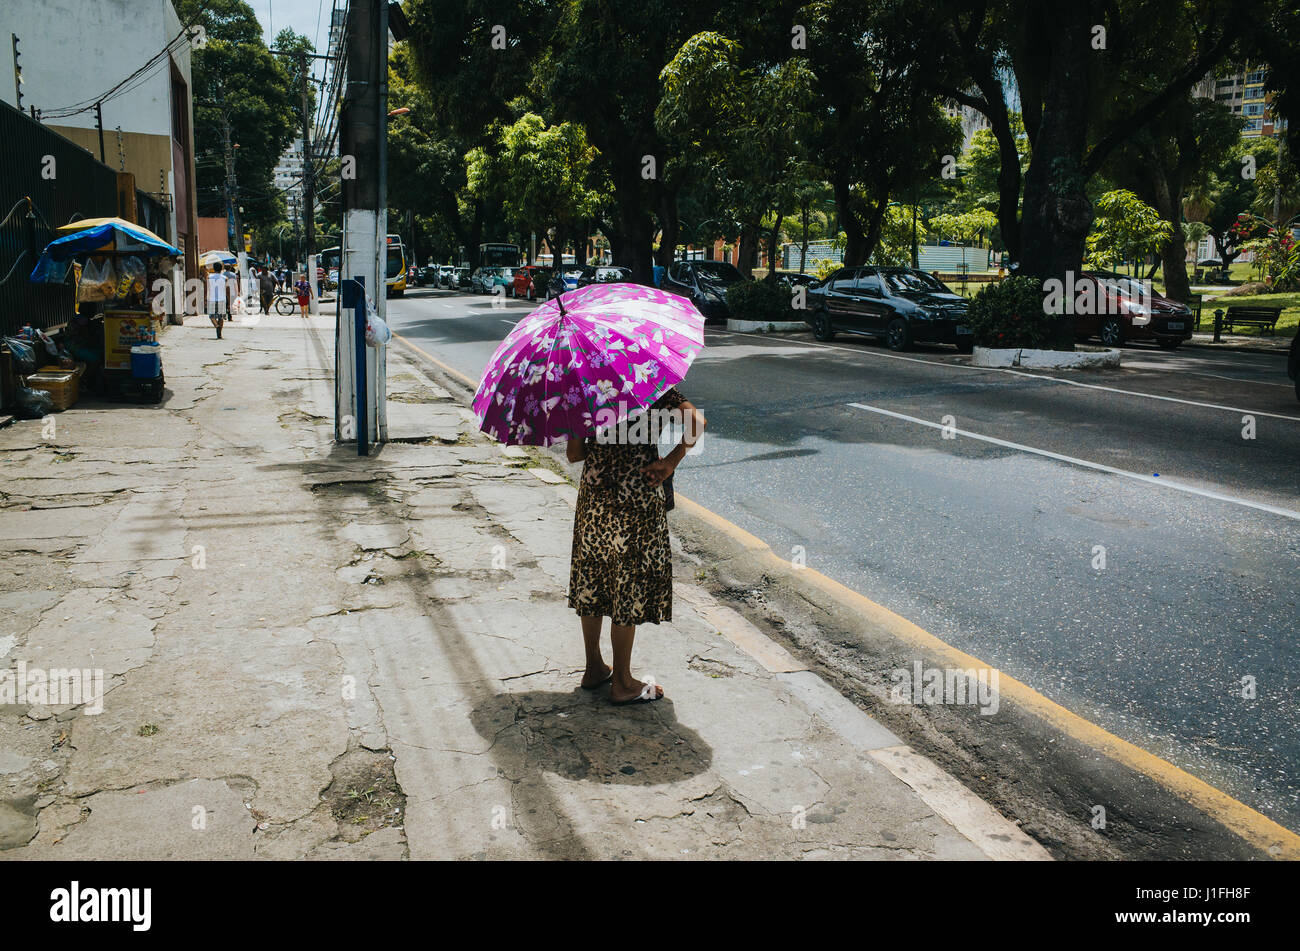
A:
(146, 361)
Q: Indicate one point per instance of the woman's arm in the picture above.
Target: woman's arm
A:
(576, 450)
(693, 423)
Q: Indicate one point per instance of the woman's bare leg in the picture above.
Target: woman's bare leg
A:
(624, 685)
(597, 670)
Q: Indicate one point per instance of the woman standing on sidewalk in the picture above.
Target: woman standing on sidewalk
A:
(622, 562)
(304, 293)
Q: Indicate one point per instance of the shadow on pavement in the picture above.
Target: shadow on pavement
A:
(580, 735)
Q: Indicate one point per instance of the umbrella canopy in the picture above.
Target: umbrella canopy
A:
(214, 257)
(97, 235)
(591, 357)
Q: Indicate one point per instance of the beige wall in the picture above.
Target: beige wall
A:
(146, 155)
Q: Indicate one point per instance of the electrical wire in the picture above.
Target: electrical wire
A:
(153, 62)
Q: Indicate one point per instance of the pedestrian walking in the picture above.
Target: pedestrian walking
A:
(304, 293)
(217, 310)
(598, 368)
(266, 289)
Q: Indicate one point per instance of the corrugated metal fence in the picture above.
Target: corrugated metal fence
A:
(64, 182)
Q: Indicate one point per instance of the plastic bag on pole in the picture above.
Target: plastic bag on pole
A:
(377, 332)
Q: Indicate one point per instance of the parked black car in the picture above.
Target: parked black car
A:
(705, 283)
(900, 305)
(603, 274)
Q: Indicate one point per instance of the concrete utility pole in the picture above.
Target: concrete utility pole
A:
(234, 226)
(18, 73)
(99, 124)
(309, 186)
(363, 128)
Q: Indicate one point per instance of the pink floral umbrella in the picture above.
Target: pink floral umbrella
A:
(591, 357)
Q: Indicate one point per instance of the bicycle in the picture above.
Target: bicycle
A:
(285, 304)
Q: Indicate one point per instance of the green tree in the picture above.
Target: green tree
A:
(240, 85)
(751, 122)
(1125, 229)
(1223, 197)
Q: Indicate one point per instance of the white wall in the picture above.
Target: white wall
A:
(77, 49)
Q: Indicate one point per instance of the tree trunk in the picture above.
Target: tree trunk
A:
(1173, 255)
(666, 211)
(1057, 212)
(475, 236)
(747, 248)
(772, 242)
(875, 227)
(855, 241)
(803, 248)
(557, 248)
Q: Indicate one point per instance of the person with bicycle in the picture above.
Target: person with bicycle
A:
(266, 289)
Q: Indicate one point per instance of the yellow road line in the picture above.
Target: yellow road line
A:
(1253, 826)
(429, 356)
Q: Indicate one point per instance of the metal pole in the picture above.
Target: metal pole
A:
(359, 314)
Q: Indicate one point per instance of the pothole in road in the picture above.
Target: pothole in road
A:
(364, 796)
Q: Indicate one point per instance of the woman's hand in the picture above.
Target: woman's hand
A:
(658, 471)
(576, 450)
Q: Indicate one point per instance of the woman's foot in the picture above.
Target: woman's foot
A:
(595, 676)
(635, 691)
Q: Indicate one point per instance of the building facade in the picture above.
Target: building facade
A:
(130, 58)
(1243, 92)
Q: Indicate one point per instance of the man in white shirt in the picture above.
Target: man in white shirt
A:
(217, 309)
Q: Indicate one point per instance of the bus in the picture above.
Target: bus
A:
(498, 255)
(329, 261)
(395, 269)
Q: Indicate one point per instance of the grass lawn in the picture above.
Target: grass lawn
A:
(1287, 324)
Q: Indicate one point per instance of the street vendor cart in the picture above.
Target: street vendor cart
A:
(114, 263)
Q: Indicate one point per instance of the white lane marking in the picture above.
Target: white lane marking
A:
(1237, 379)
(1035, 376)
(1100, 467)
(1153, 396)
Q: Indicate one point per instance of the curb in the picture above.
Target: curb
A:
(1234, 348)
(765, 326)
(994, 358)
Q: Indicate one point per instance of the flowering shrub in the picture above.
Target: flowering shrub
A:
(1010, 314)
(1278, 257)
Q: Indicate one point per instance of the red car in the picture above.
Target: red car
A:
(530, 281)
(1127, 310)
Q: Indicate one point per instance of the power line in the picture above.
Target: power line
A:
(86, 105)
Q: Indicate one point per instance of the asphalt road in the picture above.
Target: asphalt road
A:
(987, 533)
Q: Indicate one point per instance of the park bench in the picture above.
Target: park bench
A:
(1264, 317)
(1194, 303)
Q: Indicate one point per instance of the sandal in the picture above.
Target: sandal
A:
(599, 683)
(649, 694)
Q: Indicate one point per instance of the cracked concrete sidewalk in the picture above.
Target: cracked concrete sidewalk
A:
(313, 655)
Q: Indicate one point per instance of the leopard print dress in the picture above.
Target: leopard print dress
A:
(622, 562)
